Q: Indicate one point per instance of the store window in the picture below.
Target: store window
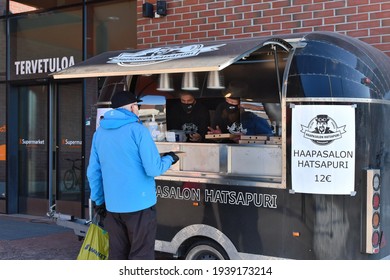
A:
(22, 6)
(45, 43)
(113, 26)
(2, 50)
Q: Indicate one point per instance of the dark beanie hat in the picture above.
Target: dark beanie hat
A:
(122, 98)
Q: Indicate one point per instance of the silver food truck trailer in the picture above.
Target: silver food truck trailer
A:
(316, 189)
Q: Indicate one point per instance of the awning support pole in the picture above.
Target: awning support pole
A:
(277, 73)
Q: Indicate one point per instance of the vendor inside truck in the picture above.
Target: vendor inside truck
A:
(233, 118)
(189, 115)
(248, 116)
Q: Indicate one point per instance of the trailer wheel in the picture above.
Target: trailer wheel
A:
(206, 250)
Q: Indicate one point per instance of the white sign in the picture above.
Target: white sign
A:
(100, 115)
(42, 65)
(323, 149)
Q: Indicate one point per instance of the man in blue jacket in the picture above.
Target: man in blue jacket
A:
(123, 163)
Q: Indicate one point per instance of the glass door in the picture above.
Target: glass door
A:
(33, 149)
(70, 182)
(42, 120)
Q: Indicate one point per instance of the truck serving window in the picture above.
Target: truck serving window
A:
(255, 139)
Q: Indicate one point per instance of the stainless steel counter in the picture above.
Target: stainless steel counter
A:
(232, 164)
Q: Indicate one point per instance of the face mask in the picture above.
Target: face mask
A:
(187, 107)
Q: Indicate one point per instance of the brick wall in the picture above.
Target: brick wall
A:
(205, 20)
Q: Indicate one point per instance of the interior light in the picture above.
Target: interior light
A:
(190, 81)
(215, 80)
(165, 82)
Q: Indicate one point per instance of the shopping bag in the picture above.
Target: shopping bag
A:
(95, 245)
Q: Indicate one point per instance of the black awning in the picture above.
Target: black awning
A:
(196, 57)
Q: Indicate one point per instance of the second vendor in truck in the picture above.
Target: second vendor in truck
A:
(190, 116)
(230, 117)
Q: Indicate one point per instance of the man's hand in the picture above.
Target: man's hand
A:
(101, 210)
(174, 157)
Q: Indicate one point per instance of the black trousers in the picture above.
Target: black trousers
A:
(132, 235)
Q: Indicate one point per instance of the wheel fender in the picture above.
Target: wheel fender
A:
(198, 230)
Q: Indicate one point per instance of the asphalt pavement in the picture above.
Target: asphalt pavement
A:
(24, 237)
(36, 238)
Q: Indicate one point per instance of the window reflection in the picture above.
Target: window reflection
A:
(42, 43)
(112, 26)
(22, 6)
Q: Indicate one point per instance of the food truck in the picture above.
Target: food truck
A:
(318, 188)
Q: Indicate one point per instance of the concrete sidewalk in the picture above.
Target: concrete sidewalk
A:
(36, 238)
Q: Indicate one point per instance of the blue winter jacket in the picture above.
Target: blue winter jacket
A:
(123, 163)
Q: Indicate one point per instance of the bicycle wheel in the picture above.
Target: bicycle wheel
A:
(69, 179)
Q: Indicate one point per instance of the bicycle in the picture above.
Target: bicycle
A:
(71, 179)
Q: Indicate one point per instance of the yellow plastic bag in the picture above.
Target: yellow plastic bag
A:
(95, 245)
